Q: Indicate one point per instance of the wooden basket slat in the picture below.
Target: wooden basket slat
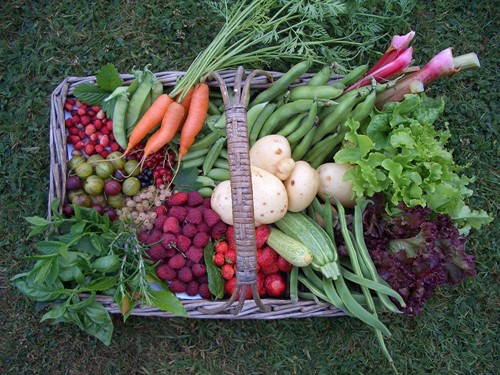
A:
(280, 308)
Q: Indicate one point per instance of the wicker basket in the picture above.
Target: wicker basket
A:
(241, 182)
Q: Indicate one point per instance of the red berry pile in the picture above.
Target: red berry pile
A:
(271, 267)
(89, 130)
(183, 226)
(158, 167)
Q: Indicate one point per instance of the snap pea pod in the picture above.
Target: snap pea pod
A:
(137, 100)
(156, 90)
(305, 126)
(292, 125)
(280, 86)
(362, 110)
(223, 153)
(259, 122)
(294, 284)
(312, 92)
(206, 141)
(252, 115)
(212, 155)
(213, 109)
(221, 123)
(205, 191)
(283, 113)
(205, 181)
(324, 146)
(197, 162)
(196, 154)
(145, 106)
(221, 163)
(321, 77)
(119, 125)
(301, 148)
(117, 92)
(218, 174)
(354, 75)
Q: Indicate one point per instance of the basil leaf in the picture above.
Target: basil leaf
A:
(215, 281)
(97, 322)
(168, 301)
(103, 283)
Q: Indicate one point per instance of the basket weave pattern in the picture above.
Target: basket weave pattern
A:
(241, 196)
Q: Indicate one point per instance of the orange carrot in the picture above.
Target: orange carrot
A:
(169, 126)
(148, 121)
(195, 119)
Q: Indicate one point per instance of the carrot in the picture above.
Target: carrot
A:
(148, 121)
(186, 102)
(195, 119)
(169, 126)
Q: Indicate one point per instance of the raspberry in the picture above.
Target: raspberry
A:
(203, 227)
(204, 291)
(210, 217)
(171, 225)
(179, 212)
(171, 252)
(261, 235)
(177, 286)
(165, 273)
(156, 252)
(199, 270)
(221, 247)
(194, 253)
(192, 288)
(178, 199)
(230, 236)
(143, 237)
(154, 236)
(230, 256)
(219, 259)
(284, 265)
(231, 286)
(218, 230)
(194, 216)
(189, 263)
(159, 221)
(168, 241)
(189, 230)
(183, 242)
(200, 239)
(161, 210)
(275, 285)
(185, 274)
(207, 202)
(227, 271)
(202, 279)
(194, 198)
(177, 261)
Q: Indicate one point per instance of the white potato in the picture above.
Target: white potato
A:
(267, 152)
(284, 168)
(302, 186)
(331, 177)
(269, 198)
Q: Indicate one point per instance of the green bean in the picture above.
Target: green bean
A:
(283, 113)
(308, 296)
(354, 75)
(119, 114)
(319, 292)
(315, 92)
(280, 86)
(219, 174)
(252, 115)
(212, 155)
(137, 100)
(332, 294)
(321, 77)
(311, 275)
(259, 122)
(196, 154)
(294, 283)
(303, 146)
(305, 126)
(292, 125)
(206, 141)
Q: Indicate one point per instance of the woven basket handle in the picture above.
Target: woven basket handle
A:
(241, 192)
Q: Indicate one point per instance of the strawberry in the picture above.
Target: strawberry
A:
(177, 199)
(194, 199)
(227, 271)
(275, 285)
(230, 256)
(261, 235)
(267, 257)
(260, 284)
(270, 269)
(230, 287)
(210, 217)
(171, 225)
(219, 259)
(284, 265)
(221, 247)
(165, 273)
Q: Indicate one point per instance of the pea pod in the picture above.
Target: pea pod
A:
(205, 181)
(205, 142)
(326, 92)
(212, 108)
(116, 93)
(280, 86)
(221, 163)
(197, 162)
(306, 125)
(137, 100)
(283, 113)
(212, 155)
(259, 122)
(300, 149)
(321, 77)
(252, 115)
(294, 284)
(218, 174)
(323, 147)
(292, 125)
(354, 75)
(119, 113)
(206, 192)
(196, 154)
(362, 110)
(156, 90)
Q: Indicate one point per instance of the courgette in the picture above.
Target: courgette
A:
(295, 252)
(305, 230)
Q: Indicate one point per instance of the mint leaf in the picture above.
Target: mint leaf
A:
(108, 78)
(90, 94)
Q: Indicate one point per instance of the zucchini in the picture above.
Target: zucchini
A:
(295, 252)
(304, 229)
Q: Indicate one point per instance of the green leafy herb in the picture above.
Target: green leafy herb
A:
(108, 78)
(215, 281)
(90, 94)
(404, 156)
(84, 255)
(185, 180)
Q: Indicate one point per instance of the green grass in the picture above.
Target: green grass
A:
(40, 45)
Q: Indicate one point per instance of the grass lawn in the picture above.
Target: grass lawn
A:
(40, 45)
